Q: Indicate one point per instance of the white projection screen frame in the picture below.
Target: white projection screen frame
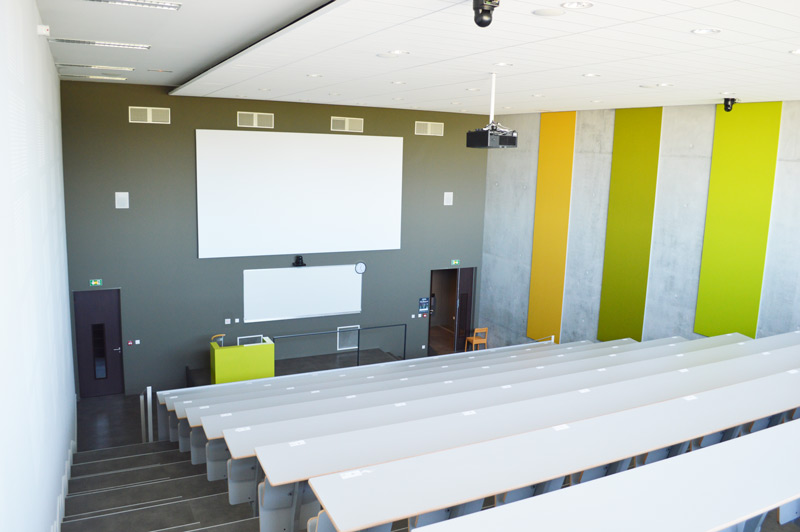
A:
(301, 292)
(274, 193)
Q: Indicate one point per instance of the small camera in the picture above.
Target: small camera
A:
(728, 104)
(483, 11)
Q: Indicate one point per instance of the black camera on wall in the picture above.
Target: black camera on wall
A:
(483, 11)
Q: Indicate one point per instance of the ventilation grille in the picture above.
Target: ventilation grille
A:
(149, 115)
(430, 129)
(350, 125)
(260, 120)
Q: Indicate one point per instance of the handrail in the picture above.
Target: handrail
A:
(358, 338)
(146, 419)
(551, 338)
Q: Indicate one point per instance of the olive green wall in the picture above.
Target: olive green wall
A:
(174, 302)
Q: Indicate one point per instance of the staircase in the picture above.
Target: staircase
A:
(148, 487)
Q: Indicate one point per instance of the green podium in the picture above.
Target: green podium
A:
(242, 362)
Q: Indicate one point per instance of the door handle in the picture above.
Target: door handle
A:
(117, 349)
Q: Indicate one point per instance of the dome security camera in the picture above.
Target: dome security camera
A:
(728, 104)
(483, 11)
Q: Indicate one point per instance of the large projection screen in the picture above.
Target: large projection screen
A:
(301, 292)
(272, 193)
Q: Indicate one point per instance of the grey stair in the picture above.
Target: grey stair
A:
(181, 516)
(134, 476)
(245, 525)
(122, 451)
(140, 496)
(128, 462)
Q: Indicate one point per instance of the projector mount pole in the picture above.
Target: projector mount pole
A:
(491, 106)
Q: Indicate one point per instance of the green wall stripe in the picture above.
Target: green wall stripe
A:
(737, 218)
(631, 201)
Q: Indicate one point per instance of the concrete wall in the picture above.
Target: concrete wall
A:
(174, 302)
(687, 138)
(508, 234)
(37, 392)
(780, 296)
(591, 178)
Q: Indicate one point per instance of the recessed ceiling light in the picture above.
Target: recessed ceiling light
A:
(548, 12)
(91, 76)
(507, 107)
(153, 4)
(391, 54)
(591, 75)
(303, 100)
(265, 89)
(334, 94)
(95, 67)
(398, 99)
(106, 44)
(504, 64)
(455, 103)
(727, 93)
(795, 52)
(462, 111)
(398, 82)
(706, 31)
(473, 89)
(576, 5)
(537, 95)
(596, 101)
(664, 85)
(314, 75)
(159, 70)
(647, 86)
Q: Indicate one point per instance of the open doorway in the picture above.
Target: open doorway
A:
(450, 309)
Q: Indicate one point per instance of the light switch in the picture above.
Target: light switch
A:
(236, 320)
(448, 198)
(423, 346)
(413, 316)
(121, 200)
(227, 321)
(137, 342)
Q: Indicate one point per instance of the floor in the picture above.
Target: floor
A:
(440, 341)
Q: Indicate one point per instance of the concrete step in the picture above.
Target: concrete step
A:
(127, 462)
(141, 495)
(140, 475)
(245, 525)
(178, 516)
(122, 451)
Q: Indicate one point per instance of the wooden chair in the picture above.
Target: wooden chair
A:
(476, 339)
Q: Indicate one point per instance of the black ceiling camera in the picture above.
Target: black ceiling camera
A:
(298, 261)
(728, 103)
(483, 11)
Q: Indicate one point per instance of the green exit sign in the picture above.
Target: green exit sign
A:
(95, 282)
(455, 262)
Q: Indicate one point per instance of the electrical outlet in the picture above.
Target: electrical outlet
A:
(423, 346)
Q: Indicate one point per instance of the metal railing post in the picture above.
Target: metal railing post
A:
(150, 414)
(142, 416)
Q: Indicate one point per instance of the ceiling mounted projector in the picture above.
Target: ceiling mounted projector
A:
(493, 135)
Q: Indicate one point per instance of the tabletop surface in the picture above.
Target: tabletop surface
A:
(294, 460)
(703, 491)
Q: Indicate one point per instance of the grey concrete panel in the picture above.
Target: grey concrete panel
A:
(780, 293)
(687, 139)
(508, 234)
(591, 177)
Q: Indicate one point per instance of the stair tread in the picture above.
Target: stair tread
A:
(122, 451)
(127, 462)
(134, 476)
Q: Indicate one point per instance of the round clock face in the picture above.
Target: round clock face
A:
(361, 267)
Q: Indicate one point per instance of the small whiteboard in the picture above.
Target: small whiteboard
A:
(301, 292)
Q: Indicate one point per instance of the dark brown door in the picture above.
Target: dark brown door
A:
(98, 338)
(466, 288)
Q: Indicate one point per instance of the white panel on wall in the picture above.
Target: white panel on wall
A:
(271, 193)
(780, 293)
(301, 292)
(687, 139)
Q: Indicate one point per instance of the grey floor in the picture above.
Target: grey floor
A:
(119, 484)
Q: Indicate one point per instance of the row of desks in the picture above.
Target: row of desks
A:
(321, 424)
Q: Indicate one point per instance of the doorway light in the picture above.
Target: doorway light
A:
(153, 4)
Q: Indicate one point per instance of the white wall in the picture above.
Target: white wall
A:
(38, 391)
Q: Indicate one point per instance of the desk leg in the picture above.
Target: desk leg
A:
(163, 422)
(173, 426)
(217, 456)
(197, 443)
(184, 432)
(243, 480)
(296, 496)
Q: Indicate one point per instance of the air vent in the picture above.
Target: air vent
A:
(260, 120)
(149, 115)
(350, 125)
(430, 129)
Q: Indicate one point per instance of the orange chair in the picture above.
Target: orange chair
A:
(476, 339)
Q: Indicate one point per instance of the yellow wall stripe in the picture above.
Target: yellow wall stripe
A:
(737, 219)
(551, 224)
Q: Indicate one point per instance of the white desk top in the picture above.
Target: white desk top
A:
(336, 415)
(295, 460)
(510, 361)
(215, 418)
(703, 491)
(168, 396)
(395, 490)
